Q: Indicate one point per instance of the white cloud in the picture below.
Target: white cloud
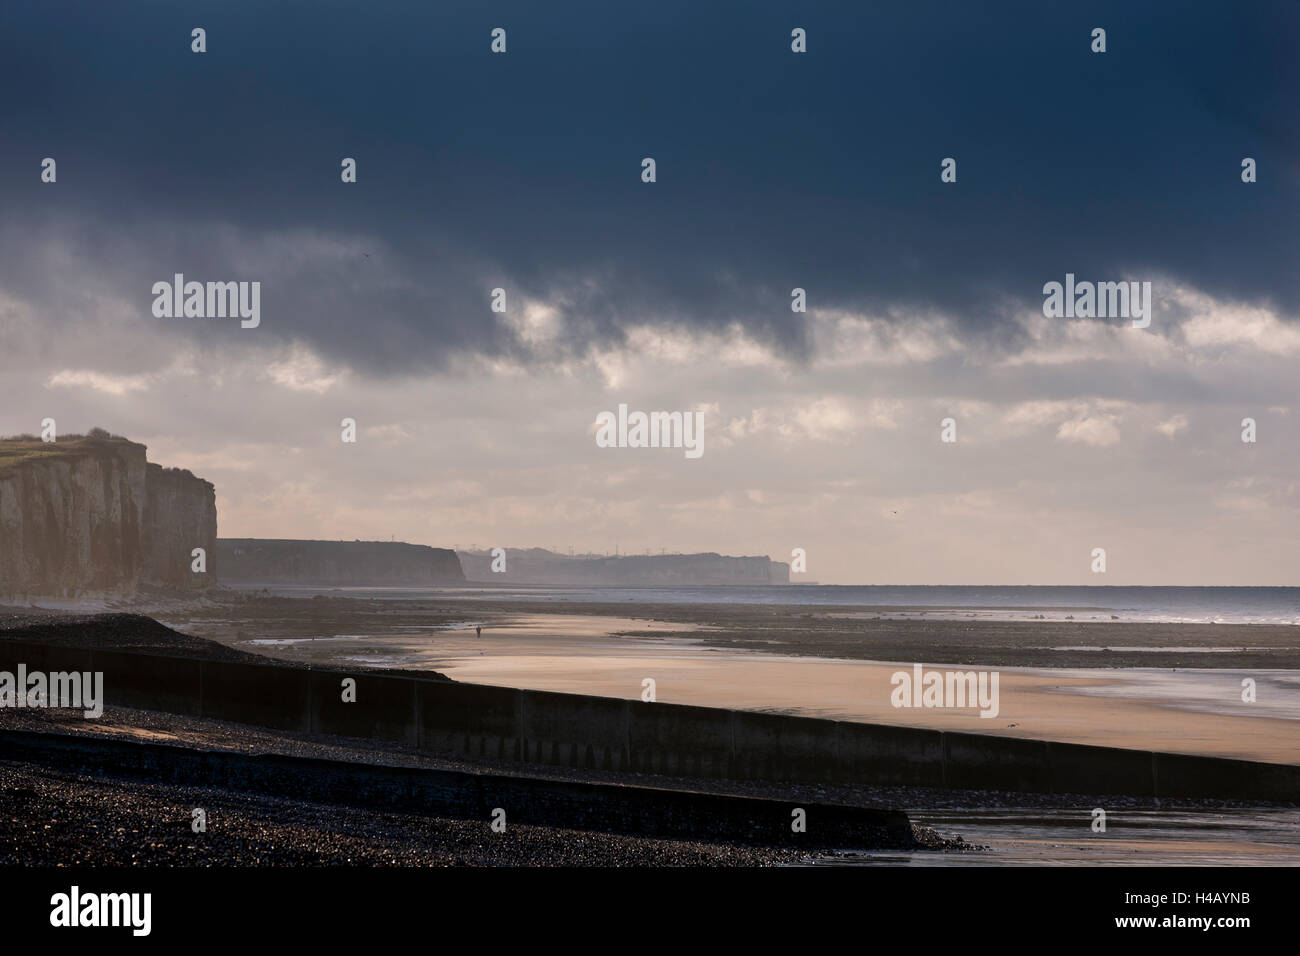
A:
(1172, 426)
(301, 370)
(847, 339)
(536, 325)
(1252, 329)
(1068, 341)
(822, 419)
(1097, 430)
(1223, 326)
(99, 381)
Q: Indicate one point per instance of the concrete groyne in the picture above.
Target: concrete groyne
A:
(535, 801)
(620, 735)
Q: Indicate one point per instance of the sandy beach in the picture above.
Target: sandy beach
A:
(700, 656)
(784, 659)
(1033, 704)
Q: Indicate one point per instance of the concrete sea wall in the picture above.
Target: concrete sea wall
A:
(621, 735)
(643, 811)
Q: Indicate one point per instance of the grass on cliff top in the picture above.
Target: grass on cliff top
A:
(19, 449)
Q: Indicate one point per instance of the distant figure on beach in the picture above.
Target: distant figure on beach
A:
(478, 630)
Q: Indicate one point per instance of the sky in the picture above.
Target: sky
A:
(774, 170)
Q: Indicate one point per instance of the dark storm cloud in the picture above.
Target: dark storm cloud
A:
(775, 170)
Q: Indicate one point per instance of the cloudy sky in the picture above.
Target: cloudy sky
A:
(775, 170)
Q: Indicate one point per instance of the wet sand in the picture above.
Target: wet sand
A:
(879, 634)
(1196, 712)
(1133, 837)
(1032, 704)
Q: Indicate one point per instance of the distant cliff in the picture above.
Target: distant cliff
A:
(539, 566)
(89, 517)
(274, 561)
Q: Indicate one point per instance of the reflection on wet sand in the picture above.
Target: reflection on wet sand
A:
(1132, 838)
(1198, 712)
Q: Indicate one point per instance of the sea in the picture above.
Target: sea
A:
(1134, 604)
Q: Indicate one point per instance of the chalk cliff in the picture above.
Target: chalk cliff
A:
(90, 517)
(180, 515)
(272, 561)
(539, 566)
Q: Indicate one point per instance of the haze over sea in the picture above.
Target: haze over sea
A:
(1192, 605)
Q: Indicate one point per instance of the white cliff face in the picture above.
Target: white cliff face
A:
(73, 521)
(180, 515)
